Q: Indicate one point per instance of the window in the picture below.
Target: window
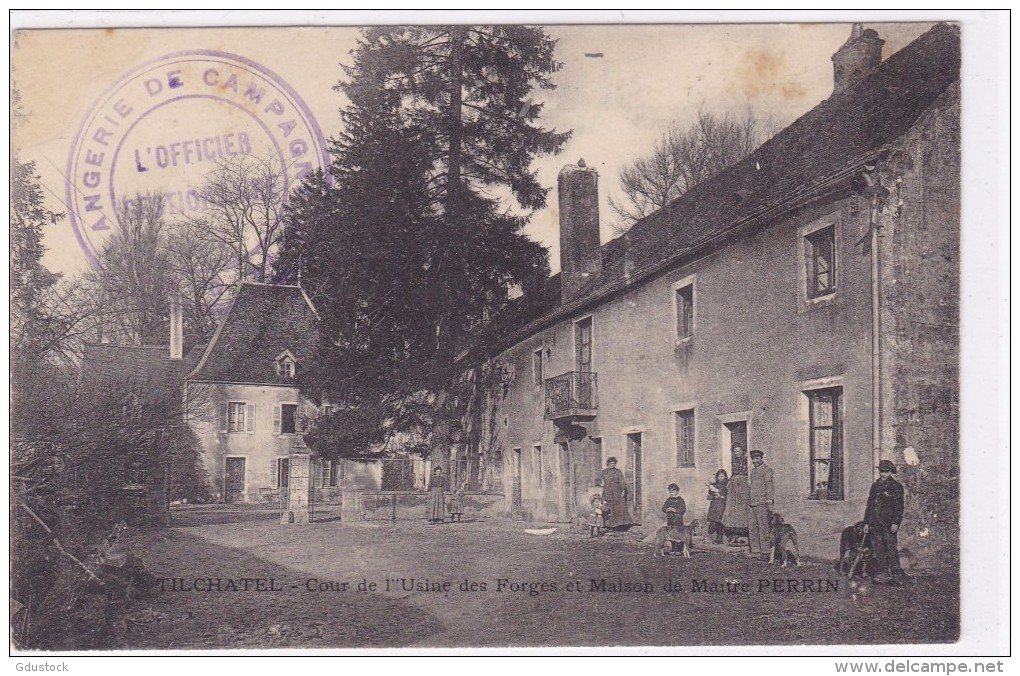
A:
(536, 365)
(237, 416)
(582, 345)
(335, 469)
(684, 312)
(684, 438)
(286, 364)
(282, 473)
(291, 418)
(820, 259)
(288, 418)
(825, 423)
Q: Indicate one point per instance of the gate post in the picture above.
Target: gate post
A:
(300, 492)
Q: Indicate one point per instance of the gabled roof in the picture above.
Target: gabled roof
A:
(147, 370)
(263, 321)
(811, 157)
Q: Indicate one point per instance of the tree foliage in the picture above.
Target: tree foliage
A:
(37, 315)
(683, 157)
(417, 238)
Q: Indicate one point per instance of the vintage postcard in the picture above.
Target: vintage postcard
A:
(441, 333)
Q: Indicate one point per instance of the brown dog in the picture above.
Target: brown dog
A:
(784, 542)
(674, 535)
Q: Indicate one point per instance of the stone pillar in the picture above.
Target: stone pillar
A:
(300, 492)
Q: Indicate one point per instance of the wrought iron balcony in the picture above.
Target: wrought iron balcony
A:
(574, 393)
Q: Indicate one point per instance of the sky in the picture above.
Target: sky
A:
(616, 104)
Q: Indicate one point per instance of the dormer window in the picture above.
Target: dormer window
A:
(286, 364)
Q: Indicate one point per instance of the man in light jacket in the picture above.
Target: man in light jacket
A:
(760, 503)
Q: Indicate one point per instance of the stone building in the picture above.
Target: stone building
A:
(804, 302)
(244, 380)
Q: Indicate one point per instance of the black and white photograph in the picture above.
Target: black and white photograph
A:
(523, 333)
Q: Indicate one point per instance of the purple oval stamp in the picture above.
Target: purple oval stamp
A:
(164, 125)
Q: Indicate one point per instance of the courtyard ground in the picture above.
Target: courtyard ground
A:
(519, 589)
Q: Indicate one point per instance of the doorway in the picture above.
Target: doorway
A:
(632, 475)
(233, 488)
(568, 496)
(516, 499)
(735, 443)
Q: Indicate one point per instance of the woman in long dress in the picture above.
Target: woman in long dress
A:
(614, 493)
(437, 497)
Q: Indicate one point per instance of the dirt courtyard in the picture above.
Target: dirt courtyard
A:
(235, 578)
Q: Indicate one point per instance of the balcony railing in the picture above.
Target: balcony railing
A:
(572, 394)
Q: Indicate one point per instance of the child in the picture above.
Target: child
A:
(457, 503)
(717, 505)
(674, 507)
(599, 512)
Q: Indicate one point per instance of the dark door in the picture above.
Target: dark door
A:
(516, 499)
(568, 499)
(632, 474)
(738, 446)
(234, 484)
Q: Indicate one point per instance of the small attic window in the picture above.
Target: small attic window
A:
(286, 365)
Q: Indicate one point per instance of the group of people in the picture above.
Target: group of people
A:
(726, 497)
(753, 498)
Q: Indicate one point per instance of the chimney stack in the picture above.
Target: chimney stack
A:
(176, 328)
(580, 256)
(857, 58)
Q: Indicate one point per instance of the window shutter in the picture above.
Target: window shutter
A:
(250, 419)
(224, 417)
(300, 418)
(274, 480)
(277, 418)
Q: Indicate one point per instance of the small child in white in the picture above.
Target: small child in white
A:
(599, 511)
(457, 503)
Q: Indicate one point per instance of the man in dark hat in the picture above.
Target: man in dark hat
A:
(883, 516)
(761, 501)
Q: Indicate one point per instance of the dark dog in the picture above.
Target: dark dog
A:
(680, 538)
(854, 551)
(784, 542)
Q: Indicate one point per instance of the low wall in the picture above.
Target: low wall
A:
(394, 505)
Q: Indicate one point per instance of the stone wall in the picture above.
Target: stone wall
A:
(920, 241)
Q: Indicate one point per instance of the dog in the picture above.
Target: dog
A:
(784, 542)
(854, 551)
(679, 538)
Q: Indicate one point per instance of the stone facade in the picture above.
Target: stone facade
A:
(700, 333)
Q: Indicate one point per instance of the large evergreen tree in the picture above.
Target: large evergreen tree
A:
(418, 237)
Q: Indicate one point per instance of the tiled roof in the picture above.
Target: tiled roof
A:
(263, 321)
(146, 370)
(825, 145)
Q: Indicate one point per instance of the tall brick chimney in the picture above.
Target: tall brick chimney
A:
(580, 257)
(176, 327)
(857, 58)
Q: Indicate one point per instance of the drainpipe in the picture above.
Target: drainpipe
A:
(876, 338)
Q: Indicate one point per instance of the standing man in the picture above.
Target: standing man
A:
(760, 503)
(883, 516)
